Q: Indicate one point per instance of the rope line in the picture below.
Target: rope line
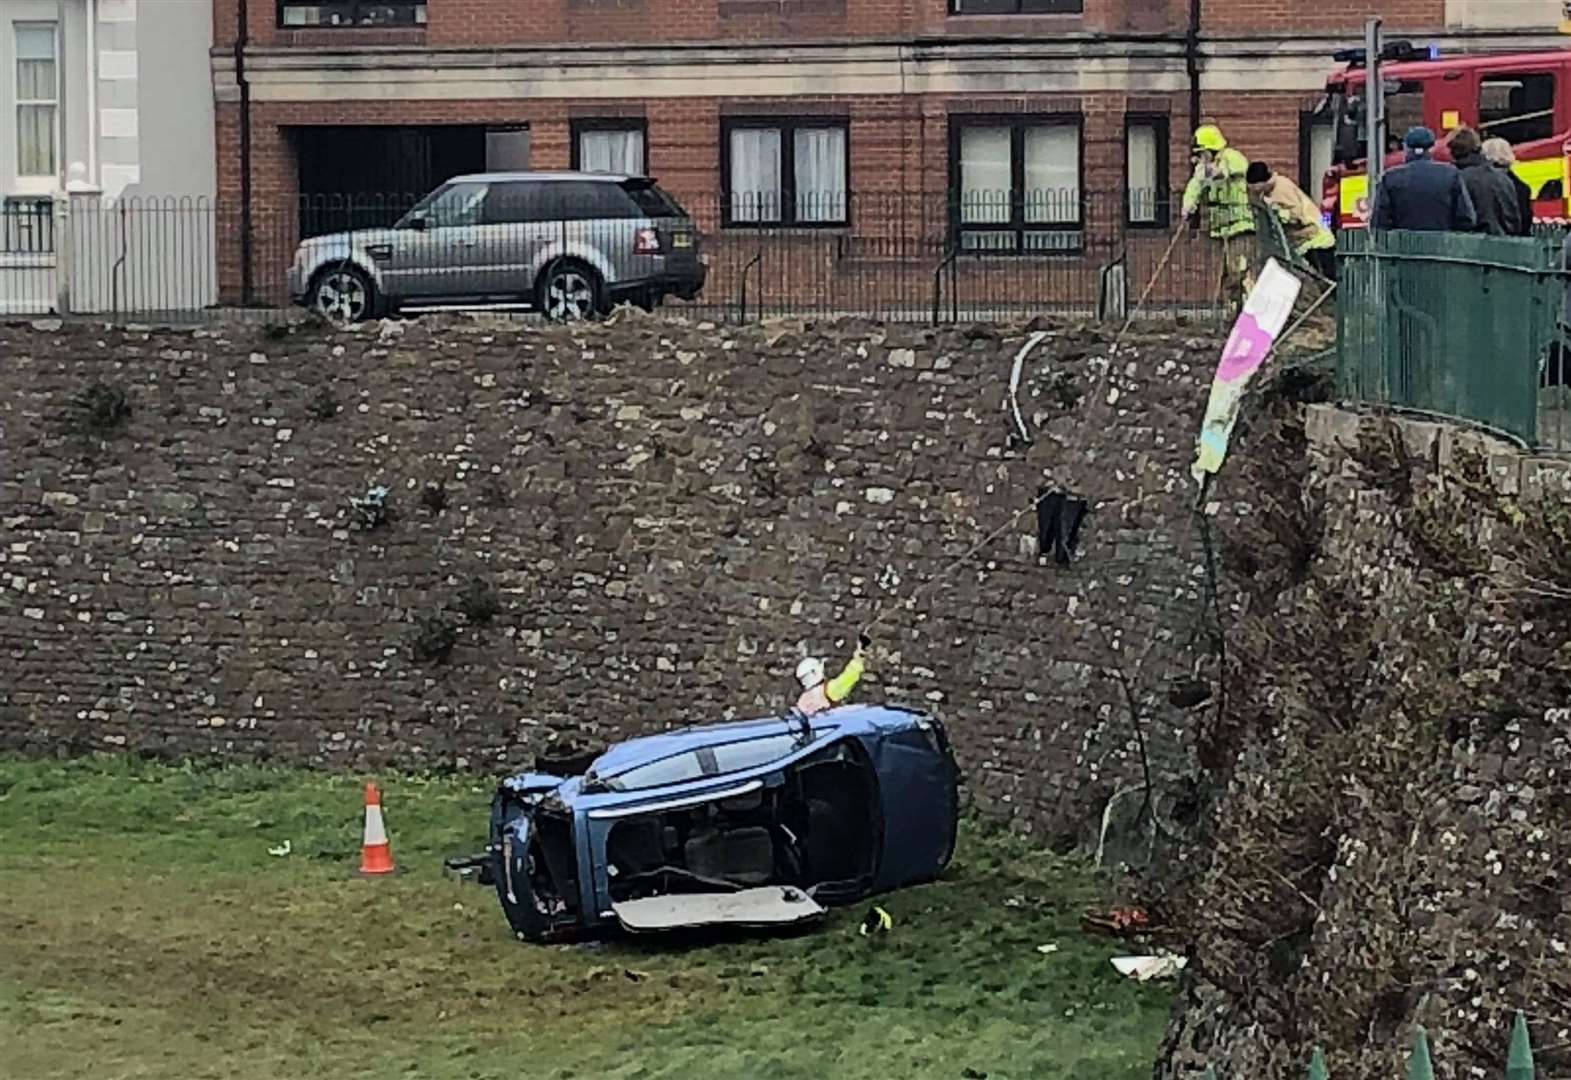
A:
(1209, 599)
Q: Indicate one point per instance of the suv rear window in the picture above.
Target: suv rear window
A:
(651, 201)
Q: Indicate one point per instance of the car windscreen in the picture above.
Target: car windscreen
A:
(708, 761)
(449, 205)
(651, 201)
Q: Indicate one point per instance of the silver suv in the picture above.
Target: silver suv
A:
(568, 245)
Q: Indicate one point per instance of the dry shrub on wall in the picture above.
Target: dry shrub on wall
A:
(1391, 844)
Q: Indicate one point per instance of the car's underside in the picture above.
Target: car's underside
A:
(818, 832)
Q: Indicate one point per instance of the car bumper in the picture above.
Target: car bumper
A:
(684, 281)
(694, 282)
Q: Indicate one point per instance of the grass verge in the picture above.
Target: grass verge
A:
(146, 932)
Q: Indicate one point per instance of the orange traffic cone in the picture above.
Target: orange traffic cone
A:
(376, 856)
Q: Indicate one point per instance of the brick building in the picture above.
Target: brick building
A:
(806, 114)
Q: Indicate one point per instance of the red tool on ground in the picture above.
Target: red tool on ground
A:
(1119, 922)
(376, 855)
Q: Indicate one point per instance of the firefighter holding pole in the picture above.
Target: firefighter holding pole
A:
(1220, 187)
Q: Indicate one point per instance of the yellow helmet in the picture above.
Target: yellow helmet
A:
(1209, 137)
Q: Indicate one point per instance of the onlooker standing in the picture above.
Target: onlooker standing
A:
(1498, 153)
(1422, 195)
(1494, 199)
(1300, 217)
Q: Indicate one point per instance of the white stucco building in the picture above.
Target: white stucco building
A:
(107, 167)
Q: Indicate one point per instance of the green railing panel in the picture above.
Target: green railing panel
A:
(1419, 1067)
(1448, 323)
(1519, 1062)
(1272, 243)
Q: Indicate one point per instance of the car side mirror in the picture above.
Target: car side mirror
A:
(418, 224)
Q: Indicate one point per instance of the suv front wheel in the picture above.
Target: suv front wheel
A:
(570, 292)
(343, 294)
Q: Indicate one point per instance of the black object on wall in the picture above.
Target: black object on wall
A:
(1058, 520)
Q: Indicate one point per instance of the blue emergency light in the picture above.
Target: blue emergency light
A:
(1397, 52)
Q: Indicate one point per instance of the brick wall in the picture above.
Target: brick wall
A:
(506, 22)
(671, 514)
(1274, 16)
(1265, 127)
(898, 146)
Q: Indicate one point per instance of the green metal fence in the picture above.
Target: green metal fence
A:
(1457, 325)
(1519, 1058)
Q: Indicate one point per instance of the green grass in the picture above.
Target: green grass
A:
(146, 932)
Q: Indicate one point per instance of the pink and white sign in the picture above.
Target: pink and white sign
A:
(1266, 311)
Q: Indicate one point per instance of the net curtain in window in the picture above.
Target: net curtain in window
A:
(620, 151)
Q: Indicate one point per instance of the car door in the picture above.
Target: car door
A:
(509, 238)
(917, 789)
(432, 256)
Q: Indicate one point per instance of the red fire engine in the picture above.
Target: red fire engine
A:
(1524, 98)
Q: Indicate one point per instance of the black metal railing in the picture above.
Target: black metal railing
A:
(899, 256)
(27, 227)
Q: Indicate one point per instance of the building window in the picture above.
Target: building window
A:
(1316, 144)
(37, 100)
(1148, 196)
(507, 149)
(1517, 108)
(27, 227)
(611, 146)
(785, 172)
(1016, 183)
(1016, 7)
(315, 14)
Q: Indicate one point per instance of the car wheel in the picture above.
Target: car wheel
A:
(520, 906)
(570, 292)
(343, 294)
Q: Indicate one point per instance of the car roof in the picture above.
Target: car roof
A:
(848, 719)
(494, 177)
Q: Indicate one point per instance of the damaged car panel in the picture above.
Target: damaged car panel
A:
(753, 823)
(769, 905)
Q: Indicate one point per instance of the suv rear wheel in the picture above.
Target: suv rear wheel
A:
(570, 291)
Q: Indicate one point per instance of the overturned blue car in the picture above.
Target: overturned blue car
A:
(757, 823)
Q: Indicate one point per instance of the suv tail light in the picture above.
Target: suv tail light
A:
(647, 242)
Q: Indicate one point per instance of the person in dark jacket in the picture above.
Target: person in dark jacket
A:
(1494, 199)
(1422, 195)
(1498, 153)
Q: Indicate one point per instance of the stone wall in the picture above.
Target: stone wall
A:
(1392, 846)
(670, 516)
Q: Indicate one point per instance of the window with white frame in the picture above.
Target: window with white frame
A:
(1016, 7)
(785, 172)
(1316, 148)
(1146, 195)
(610, 146)
(1016, 183)
(347, 14)
(37, 100)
